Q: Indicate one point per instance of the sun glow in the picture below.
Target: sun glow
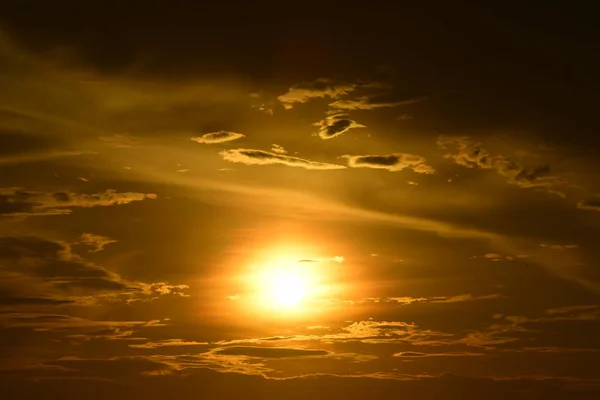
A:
(288, 281)
(284, 287)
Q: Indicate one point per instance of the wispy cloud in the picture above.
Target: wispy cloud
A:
(370, 103)
(416, 354)
(467, 297)
(218, 137)
(320, 88)
(560, 246)
(392, 162)
(168, 343)
(571, 309)
(97, 242)
(60, 322)
(261, 157)
(22, 203)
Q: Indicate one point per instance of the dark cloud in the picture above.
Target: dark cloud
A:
(217, 137)
(74, 327)
(17, 202)
(260, 157)
(270, 352)
(115, 368)
(53, 263)
(334, 125)
(168, 343)
(464, 151)
(392, 162)
(414, 354)
(558, 328)
(571, 309)
(592, 203)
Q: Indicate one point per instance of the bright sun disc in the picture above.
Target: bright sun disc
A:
(287, 288)
(284, 286)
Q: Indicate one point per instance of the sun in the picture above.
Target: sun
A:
(285, 286)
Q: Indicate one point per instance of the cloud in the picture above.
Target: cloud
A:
(556, 328)
(334, 125)
(499, 257)
(270, 352)
(167, 343)
(261, 157)
(467, 297)
(278, 149)
(415, 354)
(17, 202)
(392, 162)
(61, 323)
(591, 203)
(410, 300)
(570, 309)
(467, 153)
(370, 103)
(370, 331)
(51, 265)
(115, 368)
(560, 246)
(97, 242)
(217, 137)
(320, 88)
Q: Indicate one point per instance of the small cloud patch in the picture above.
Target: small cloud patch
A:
(334, 125)
(97, 242)
(591, 203)
(392, 162)
(217, 137)
(320, 88)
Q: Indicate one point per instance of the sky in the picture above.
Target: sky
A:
(330, 201)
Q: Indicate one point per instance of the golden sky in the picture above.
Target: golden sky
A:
(224, 202)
